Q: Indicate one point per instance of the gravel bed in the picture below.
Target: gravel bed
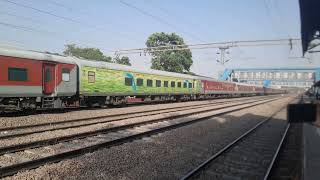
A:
(65, 132)
(288, 164)
(251, 157)
(75, 114)
(168, 155)
(92, 121)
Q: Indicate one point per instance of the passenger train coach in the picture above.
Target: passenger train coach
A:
(31, 80)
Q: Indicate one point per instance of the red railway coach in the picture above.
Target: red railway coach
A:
(31, 82)
(274, 91)
(259, 89)
(245, 88)
(249, 89)
(217, 87)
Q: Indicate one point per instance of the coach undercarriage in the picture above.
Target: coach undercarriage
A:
(32, 103)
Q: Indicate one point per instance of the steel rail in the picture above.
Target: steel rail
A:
(35, 144)
(204, 164)
(96, 117)
(266, 176)
(118, 118)
(12, 169)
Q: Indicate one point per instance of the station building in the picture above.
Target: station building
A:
(275, 77)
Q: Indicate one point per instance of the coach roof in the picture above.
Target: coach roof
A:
(35, 55)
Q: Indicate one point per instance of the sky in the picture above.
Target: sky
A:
(48, 25)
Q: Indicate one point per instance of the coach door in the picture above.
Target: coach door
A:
(202, 87)
(49, 80)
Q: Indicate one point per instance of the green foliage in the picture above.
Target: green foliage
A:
(93, 54)
(170, 58)
(86, 53)
(123, 60)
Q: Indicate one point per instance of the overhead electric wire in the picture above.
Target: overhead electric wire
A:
(13, 44)
(197, 48)
(210, 45)
(86, 25)
(62, 5)
(43, 11)
(146, 13)
(20, 17)
(90, 14)
(282, 22)
(137, 50)
(24, 28)
(252, 43)
(269, 13)
(168, 13)
(29, 29)
(280, 17)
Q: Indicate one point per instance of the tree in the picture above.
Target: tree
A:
(169, 58)
(123, 60)
(86, 53)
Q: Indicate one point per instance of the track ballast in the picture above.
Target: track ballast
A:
(77, 145)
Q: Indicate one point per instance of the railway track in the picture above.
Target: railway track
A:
(15, 113)
(31, 155)
(287, 162)
(121, 125)
(250, 156)
(19, 131)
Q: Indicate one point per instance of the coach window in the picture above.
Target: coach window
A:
(179, 84)
(185, 85)
(190, 85)
(65, 75)
(128, 81)
(149, 82)
(173, 84)
(91, 77)
(139, 82)
(165, 83)
(47, 75)
(17, 74)
(158, 83)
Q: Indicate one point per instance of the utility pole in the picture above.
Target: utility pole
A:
(223, 52)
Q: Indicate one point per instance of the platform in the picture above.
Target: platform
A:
(310, 137)
(305, 111)
(311, 143)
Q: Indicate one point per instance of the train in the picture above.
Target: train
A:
(40, 80)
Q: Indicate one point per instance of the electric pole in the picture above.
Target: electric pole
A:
(223, 52)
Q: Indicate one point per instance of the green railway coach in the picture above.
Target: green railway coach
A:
(107, 79)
